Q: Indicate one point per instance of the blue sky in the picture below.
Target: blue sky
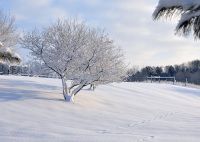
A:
(129, 23)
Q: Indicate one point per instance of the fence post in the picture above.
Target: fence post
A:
(186, 81)
(174, 80)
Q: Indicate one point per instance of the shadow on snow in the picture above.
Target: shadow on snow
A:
(13, 90)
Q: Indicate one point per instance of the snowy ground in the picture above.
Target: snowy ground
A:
(33, 110)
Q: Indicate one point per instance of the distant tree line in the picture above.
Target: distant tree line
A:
(14, 69)
(32, 68)
(189, 71)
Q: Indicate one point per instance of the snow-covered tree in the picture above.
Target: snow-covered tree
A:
(187, 10)
(77, 53)
(8, 39)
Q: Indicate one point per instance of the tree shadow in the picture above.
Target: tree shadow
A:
(187, 91)
(30, 84)
(14, 90)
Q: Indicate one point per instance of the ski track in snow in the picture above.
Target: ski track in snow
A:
(33, 110)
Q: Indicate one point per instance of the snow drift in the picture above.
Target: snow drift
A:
(31, 110)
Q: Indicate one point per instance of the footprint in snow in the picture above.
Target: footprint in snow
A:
(157, 117)
(146, 139)
(103, 131)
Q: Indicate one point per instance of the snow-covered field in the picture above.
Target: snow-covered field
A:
(33, 110)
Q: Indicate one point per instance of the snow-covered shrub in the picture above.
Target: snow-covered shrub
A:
(8, 39)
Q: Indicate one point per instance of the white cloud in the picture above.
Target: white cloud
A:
(129, 22)
(147, 42)
(33, 13)
(34, 3)
(20, 17)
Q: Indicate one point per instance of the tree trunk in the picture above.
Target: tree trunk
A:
(92, 87)
(75, 91)
(66, 94)
(64, 85)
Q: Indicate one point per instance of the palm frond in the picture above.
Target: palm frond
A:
(189, 15)
(188, 25)
(168, 12)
